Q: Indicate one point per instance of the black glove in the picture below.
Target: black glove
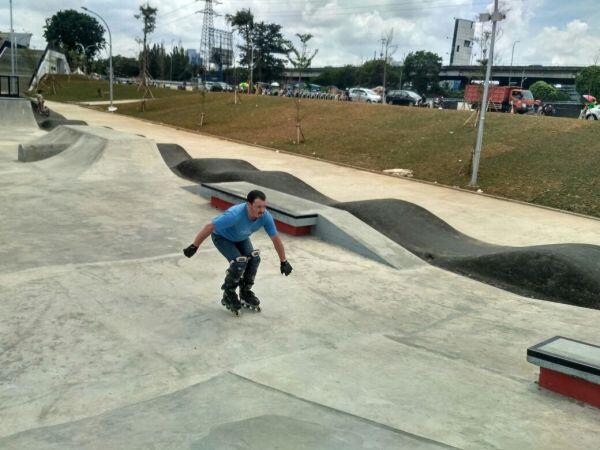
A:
(190, 251)
(286, 268)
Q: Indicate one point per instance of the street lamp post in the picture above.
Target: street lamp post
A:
(13, 61)
(111, 108)
(83, 49)
(511, 62)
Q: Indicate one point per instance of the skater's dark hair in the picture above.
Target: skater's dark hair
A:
(253, 195)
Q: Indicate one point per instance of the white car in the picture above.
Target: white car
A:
(593, 113)
(364, 95)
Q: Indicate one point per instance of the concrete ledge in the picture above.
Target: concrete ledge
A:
(297, 216)
(568, 367)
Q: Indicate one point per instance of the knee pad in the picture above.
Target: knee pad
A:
(254, 258)
(238, 265)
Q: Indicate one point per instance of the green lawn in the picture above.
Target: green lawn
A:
(77, 88)
(544, 160)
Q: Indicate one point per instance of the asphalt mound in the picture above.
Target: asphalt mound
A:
(565, 273)
(219, 170)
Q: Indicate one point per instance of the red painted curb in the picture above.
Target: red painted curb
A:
(570, 386)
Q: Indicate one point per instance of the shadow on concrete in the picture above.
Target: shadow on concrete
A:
(53, 120)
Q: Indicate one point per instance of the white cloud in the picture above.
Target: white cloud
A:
(348, 31)
(575, 44)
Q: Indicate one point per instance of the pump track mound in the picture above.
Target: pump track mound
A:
(564, 273)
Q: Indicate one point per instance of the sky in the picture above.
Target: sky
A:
(550, 32)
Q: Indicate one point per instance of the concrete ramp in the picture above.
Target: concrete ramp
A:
(16, 113)
(95, 153)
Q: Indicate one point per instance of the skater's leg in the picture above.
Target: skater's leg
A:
(235, 272)
(227, 248)
(246, 294)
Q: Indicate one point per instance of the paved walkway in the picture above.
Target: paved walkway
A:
(485, 218)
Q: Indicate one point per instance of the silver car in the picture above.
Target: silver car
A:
(364, 95)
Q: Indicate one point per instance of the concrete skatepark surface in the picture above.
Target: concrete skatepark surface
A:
(568, 273)
(112, 339)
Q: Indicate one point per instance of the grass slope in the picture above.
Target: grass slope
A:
(543, 160)
(77, 88)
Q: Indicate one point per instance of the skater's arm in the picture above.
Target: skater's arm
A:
(278, 244)
(205, 232)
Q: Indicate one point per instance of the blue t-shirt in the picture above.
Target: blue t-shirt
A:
(235, 225)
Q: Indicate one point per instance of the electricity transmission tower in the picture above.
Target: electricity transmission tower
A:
(208, 35)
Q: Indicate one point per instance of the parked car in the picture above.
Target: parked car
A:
(364, 95)
(224, 86)
(407, 98)
(593, 113)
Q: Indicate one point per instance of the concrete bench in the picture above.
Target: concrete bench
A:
(568, 367)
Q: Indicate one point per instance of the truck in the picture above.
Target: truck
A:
(503, 98)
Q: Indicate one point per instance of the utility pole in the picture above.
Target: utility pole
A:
(511, 62)
(495, 17)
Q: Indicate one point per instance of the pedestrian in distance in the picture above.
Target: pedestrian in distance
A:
(230, 233)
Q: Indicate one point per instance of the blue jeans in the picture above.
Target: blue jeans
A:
(231, 250)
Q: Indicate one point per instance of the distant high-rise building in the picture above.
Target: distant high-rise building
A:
(193, 56)
(462, 42)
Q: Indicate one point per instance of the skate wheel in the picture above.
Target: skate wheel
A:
(235, 312)
(258, 309)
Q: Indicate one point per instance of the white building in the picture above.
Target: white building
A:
(462, 42)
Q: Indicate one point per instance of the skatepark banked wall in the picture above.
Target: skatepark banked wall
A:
(566, 273)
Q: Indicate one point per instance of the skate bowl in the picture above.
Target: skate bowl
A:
(48, 145)
(94, 153)
(565, 273)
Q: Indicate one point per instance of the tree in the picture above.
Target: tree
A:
(544, 91)
(299, 58)
(78, 35)
(386, 40)
(243, 22)
(371, 73)
(422, 69)
(147, 15)
(123, 66)
(588, 81)
(268, 42)
(341, 77)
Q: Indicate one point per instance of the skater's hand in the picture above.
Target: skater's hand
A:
(286, 268)
(190, 251)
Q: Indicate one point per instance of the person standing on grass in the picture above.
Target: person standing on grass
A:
(230, 232)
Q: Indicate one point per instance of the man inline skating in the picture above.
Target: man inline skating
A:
(230, 232)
